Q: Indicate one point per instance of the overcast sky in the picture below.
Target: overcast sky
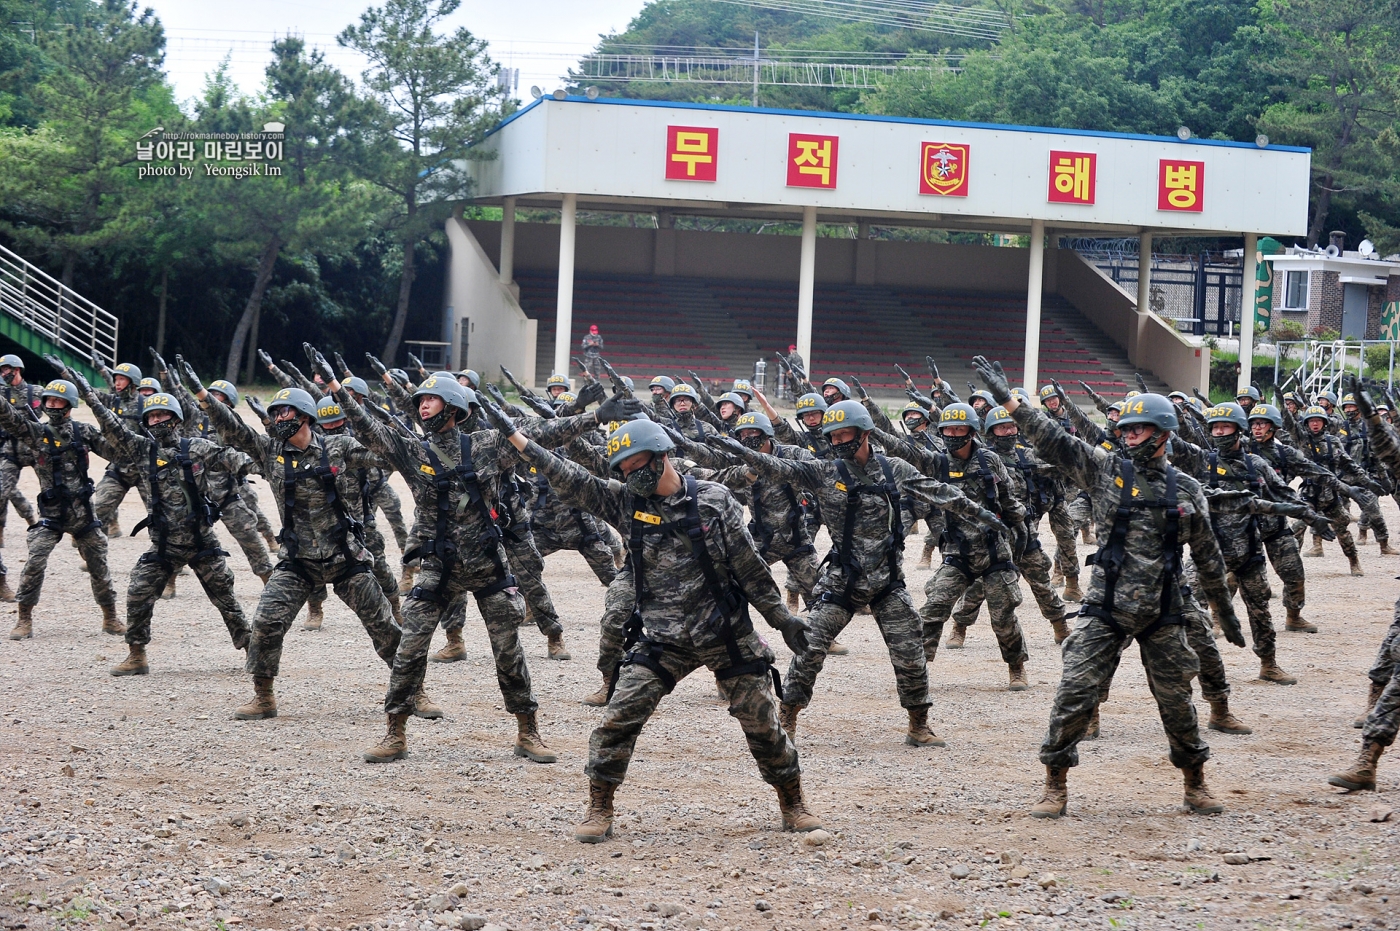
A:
(542, 38)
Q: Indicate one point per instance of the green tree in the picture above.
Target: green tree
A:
(434, 95)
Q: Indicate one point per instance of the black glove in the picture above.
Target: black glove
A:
(84, 388)
(1363, 400)
(590, 394)
(161, 367)
(415, 362)
(860, 389)
(922, 400)
(255, 405)
(496, 416)
(1319, 524)
(1060, 391)
(196, 385)
(538, 406)
(932, 368)
(1230, 624)
(993, 377)
(680, 441)
(374, 363)
(1020, 539)
(618, 408)
(1142, 385)
(727, 444)
(265, 359)
(319, 365)
(993, 523)
(794, 631)
(341, 367)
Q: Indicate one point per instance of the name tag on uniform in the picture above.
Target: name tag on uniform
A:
(1119, 482)
(532, 470)
(1106, 445)
(426, 469)
(160, 462)
(1221, 470)
(955, 475)
(840, 486)
(646, 518)
(294, 462)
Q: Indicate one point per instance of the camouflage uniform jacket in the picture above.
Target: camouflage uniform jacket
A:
(22, 397)
(1327, 451)
(1034, 482)
(57, 468)
(1138, 596)
(811, 440)
(690, 426)
(1356, 436)
(677, 605)
(779, 519)
(314, 519)
(126, 405)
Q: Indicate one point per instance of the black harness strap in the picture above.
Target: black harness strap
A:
(58, 493)
(1111, 555)
(952, 534)
(894, 542)
(201, 513)
(1255, 484)
(326, 474)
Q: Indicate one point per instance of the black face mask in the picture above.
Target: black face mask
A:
(1146, 451)
(57, 415)
(436, 422)
(915, 424)
(753, 442)
(1004, 444)
(955, 443)
(472, 422)
(1225, 444)
(643, 481)
(342, 430)
(165, 433)
(13, 377)
(284, 430)
(848, 449)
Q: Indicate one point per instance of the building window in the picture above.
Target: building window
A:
(1295, 292)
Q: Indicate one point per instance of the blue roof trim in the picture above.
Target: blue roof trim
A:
(869, 118)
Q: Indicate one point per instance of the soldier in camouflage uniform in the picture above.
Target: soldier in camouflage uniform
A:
(1032, 483)
(695, 570)
(660, 388)
(321, 542)
(862, 494)
(1381, 723)
(1072, 512)
(1324, 449)
(455, 479)
(1356, 437)
(1146, 511)
(917, 431)
(124, 400)
(181, 520)
(22, 396)
(60, 450)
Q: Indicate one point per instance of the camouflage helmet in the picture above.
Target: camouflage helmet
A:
(161, 402)
(665, 382)
(960, 414)
(1150, 409)
(840, 386)
(996, 417)
(844, 414)
(295, 398)
(683, 391)
(148, 382)
(811, 401)
(12, 360)
(227, 389)
(1315, 412)
(637, 436)
(127, 370)
(1262, 411)
(329, 411)
(1229, 412)
(754, 420)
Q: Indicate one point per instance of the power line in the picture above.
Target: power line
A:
(945, 18)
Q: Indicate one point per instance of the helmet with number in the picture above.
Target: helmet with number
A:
(227, 389)
(473, 379)
(63, 389)
(1262, 411)
(564, 397)
(452, 393)
(555, 379)
(1348, 398)
(982, 396)
(839, 385)
(913, 407)
(1292, 396)
(127, 370)
(1150, 409)
(736, 399)
(754, 420)
(743, 386)
(1315, 412)
(683, 391)
(811, 401)
(1198, 404)
(996, 417)
(637, 436)
(1179, 395)
(146, 383)
(844, 414)
(1328, 396)
(665, 382)
(161, 402)
(1229, 412)
(1132, 393)
(1117, 408)
(1250, 392)
(295, 398)
(329, 411)
(358, 385)
(1047, 392)
(12, 360)
(1021, 394)
(960, 414)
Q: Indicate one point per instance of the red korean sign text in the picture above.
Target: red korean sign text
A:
(1072, 177)
(1181, 186)
(943, 169)
(811, 161)
(692, 153)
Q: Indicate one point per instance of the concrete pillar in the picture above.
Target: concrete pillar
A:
(564, 309)
(1249, 294)
(1144, 287)
(806, 277)
(508, 240)
(1034, 284)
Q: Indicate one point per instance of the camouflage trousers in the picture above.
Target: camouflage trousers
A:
(91, 544)
(582, 535)
(1384, 720)
(751, 702)
(802, 569)
(898, 624)
(1215, 686)
(388, 583)
(1035, 569)
(110, 491)
(242, 523)
(1002, 590)
(291, 584)
(148, 578)
(387, 501)
(618, 603)
(1090, 655)
(1338, 516)
(527, 566)
(1066, 533)
(1252, 583)
(1283, 555)
(503, 612)
(1371, 515)
(10, 493)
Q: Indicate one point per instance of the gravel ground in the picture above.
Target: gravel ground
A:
(139, 803)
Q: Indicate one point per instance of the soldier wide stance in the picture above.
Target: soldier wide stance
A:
(60, 449)
(24, 397)
(1146, 511)
(695, 570)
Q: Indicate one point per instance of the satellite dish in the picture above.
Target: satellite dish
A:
(1333, 252)
(535, 91)
(1366, 247)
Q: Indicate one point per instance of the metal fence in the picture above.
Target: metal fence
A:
(47, 307)
(1201, 296)
(1321, 364)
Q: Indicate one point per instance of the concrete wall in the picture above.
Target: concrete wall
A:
(485, 313)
